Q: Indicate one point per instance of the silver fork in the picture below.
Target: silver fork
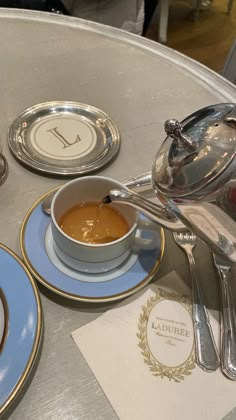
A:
(207, 356)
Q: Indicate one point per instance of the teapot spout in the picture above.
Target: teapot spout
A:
(140, 183)
(156, 212)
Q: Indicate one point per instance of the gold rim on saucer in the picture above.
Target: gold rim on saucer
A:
(37, 338)
(72, 296)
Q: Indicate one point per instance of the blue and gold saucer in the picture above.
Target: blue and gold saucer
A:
(20, 325)
(41, 259)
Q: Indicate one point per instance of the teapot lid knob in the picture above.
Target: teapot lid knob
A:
(198, 154)
(174, 129)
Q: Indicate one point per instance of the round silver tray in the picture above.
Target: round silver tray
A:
(64, 138)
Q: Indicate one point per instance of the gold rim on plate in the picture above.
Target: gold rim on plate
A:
(6, 320)
(37, 338)
(72, 296)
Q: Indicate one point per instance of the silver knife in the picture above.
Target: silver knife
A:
(228, 320)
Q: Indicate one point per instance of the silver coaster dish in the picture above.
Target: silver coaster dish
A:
(64, 138)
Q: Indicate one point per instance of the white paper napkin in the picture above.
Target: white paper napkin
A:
(141, 353)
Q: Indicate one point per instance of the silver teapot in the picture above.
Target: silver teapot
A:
(194, 178)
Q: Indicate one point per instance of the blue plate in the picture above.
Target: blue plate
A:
(38, 254)
(20, 340)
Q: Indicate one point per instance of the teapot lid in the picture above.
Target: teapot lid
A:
(196, 151)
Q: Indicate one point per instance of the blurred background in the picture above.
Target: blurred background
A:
(202, 29)
(207, 37)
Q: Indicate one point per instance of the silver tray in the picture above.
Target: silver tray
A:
(64, 138)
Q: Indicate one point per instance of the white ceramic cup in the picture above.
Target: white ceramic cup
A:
(95, 258)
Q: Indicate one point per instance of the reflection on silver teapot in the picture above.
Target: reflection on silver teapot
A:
(194, 178)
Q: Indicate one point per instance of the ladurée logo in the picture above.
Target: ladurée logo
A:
(176, 332)
(165, 333)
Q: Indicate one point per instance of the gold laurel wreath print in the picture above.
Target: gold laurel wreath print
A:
(177, 373)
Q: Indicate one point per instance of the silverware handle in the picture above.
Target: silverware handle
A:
(228, 326)
(206, 351)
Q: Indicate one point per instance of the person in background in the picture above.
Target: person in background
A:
(123, 14)
(130, 15)
(54, 6)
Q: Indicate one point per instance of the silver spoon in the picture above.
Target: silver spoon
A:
(140, 183)
(47, 202)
